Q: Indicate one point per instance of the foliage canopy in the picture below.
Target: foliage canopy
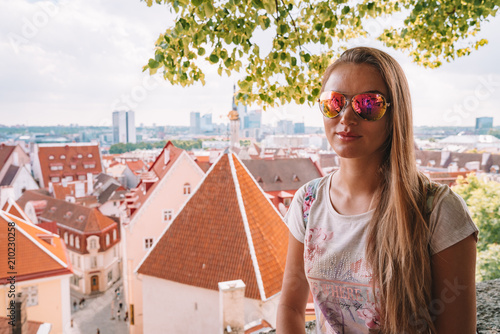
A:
(305, 37)
(483, 201)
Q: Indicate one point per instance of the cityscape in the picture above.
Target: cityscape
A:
(130, 204)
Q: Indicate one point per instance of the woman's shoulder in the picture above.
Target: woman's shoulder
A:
(450, 219)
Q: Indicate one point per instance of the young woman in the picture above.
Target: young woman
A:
(381, 248)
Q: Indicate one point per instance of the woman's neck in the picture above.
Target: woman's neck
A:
(358, 177)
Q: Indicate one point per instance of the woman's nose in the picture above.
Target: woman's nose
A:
(348, 115)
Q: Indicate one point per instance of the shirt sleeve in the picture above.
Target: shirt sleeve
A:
(294, 216)
(450, 221)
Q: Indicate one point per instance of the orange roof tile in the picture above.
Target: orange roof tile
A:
(68, 155)
(39, 253)
(228, 230)
(137, 167)
(79, 217)
(5, 152)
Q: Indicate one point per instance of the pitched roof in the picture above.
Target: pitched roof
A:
(66, 156)
(227, 230)
(39, 253)
(282, 174)
(9, 175)
(78, 217)
(5, 152)
(137, 166)
(157, 171)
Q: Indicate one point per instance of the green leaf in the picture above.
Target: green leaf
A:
(153, 63)
(209, 9)
(346, 10)
(201, 51)
(213, 58)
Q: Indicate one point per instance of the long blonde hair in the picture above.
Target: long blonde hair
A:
(398, 234)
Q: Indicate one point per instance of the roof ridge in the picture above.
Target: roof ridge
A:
(246, 226)
(36, 242)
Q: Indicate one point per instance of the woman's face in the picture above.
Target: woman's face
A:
(349, 135)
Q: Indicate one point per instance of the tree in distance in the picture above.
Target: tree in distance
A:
(306, 36)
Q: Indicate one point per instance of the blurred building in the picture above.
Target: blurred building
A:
(194, 122)
(124, 127)
(483, 125)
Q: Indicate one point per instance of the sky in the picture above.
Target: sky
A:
(76, 61)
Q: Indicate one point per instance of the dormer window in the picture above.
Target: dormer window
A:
(52, 209)
(114, 235)
(77, 242)
(107, 239)
(80, 156)
(73, 166)
(259, 179)
(81, 218)
(62, 157)
(68, 214)
(66, 238)
(277, 178)
(71, 240)
(89, 155)
(295, 178)
(51, 157)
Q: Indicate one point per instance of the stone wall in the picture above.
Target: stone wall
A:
(488, 309)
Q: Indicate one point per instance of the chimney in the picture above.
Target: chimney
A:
(21, 322)
(166, 155)
(90, 183)
(232, 306)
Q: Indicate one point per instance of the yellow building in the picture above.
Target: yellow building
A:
(40, 267)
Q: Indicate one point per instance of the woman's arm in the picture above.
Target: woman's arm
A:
(294, 291)
(454, 288)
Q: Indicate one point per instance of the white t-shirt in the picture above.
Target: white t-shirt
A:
(334, 254)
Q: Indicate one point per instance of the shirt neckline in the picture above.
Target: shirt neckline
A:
(334, 212)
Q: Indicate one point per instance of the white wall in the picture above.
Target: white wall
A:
(169, 307)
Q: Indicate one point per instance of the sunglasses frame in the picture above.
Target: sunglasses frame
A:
(350, 101)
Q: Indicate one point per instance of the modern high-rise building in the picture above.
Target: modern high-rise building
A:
(194, 122)
(299, 128)
(483, 125)
(124, 127)
(206, 125)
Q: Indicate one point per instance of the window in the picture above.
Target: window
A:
(55, 179)
(78, 261)
(187, 189)
(114, 235)
(107, 239)
(66, 238)
(89, 165)
(77, 242)
(110, 276)
(167, 215)
(69, 178)
(93, 262)
(286, 201)
(75, 280)
(114, 203)
(73, 166)
(148, 242)
(80, 156)
(81, 177)
(32, 295)
(56, 167)
(115, 253)
(62, 157)
(51, 157)
(93, 244)
(71, 240)
(89, 155)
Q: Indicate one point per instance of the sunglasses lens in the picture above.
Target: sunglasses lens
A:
(369, 106)
(331, 103)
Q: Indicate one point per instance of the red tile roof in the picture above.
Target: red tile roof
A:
(5, 152)
(39, 253)
(5, 327)
(156, 172)
(228, 230)
(137, 167)
(78, 217)
(68, 155)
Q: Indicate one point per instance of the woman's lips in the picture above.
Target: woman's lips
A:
(347, 136)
